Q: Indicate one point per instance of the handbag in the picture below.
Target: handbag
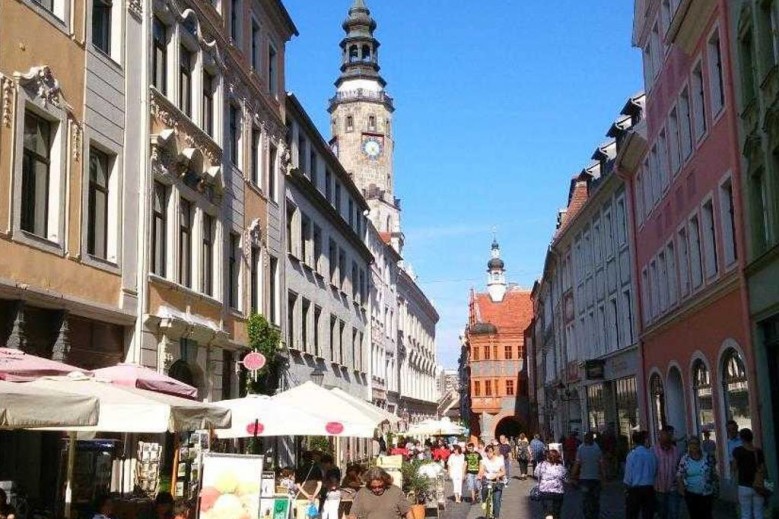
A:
(312, 510)
(535, 493)
(762, 485)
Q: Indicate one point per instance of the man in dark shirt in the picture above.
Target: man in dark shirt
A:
(472, 462)
(504, 448)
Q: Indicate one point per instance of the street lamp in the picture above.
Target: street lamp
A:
(318, 375)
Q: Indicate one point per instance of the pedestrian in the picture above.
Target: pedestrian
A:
(456, 468)
(332, 498)
(6, 510)
(163, 507)
(709, 446)
(697, 477)
(523, 455)
(104, 507)
(537, 450)
(588, 471)
(380, 499)
(640, 472)
(491, 472)
(551, 474)
(182, 509)
(748, 460)
(666, 490)
(472, 464)
(569, 448)
(504, 448)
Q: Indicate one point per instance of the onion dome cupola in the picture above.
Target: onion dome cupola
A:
(360, 48)
(496, 274)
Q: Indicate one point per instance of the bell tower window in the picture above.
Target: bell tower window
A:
(366, 52)
(372, 123)
(353, 54)
(349, 123)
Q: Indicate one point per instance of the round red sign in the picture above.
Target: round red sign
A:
(255, 428)
(334, 428)
(254, 361)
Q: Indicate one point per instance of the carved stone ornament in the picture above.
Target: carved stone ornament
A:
(162, 110)
(286, 158)
(135, 7)
(76, 132)
(45, 86)
(8, 101)
(252, 237)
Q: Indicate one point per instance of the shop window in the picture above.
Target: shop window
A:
(657, 401)
(735, 389)
(704, 402)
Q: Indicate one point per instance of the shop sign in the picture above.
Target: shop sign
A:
(594, 369)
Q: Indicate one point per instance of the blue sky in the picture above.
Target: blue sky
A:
(498, 103)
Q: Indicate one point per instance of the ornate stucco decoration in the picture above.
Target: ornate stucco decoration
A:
(40, 82)
(8, 88)
(285, 158)
(161, 155)
(76, 135)
(252, 237)
(135, 7)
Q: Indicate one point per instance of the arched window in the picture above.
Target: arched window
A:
(657, 401)
(704, 403)
(735, 389)
(354, 54)
(366, 53)
(371, 123)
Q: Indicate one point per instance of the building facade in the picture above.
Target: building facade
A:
(327, 266)
(496, 355)
(753, 47)
(686, 216)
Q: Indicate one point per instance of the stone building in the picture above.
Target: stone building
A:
(756, 89)
(496, 360)
(686, 226)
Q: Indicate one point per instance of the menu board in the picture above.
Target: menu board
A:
(231, 486)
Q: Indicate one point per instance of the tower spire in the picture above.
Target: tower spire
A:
(496, 273)
(360, 48)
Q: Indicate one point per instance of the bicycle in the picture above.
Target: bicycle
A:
(488, 503)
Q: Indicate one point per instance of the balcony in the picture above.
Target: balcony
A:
(362, 94)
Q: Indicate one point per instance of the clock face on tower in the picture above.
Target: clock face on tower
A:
(372, 147)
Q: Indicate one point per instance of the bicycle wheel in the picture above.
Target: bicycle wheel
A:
(488, 505)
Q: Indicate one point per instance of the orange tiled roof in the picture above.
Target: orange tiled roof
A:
(577, 200)
(514, 313)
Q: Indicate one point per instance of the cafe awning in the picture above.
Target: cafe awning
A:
(260, 415)
(23, 406)
(134, 375)
(18, 366)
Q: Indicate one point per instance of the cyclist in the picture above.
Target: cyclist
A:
(491, 472)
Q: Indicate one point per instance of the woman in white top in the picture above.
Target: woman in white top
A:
(456, 466)
(491, 470)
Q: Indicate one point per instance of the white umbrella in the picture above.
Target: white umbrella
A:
(380, 414)
(443, 427)
(341, 417)
(23, 406)
(261, 415)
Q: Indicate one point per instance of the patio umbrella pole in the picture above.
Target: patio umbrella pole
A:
(69, 474)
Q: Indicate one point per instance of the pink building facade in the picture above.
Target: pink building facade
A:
(683, 179)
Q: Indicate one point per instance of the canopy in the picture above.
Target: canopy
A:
(260, 415)
(22, 406)
(18, 366)
(442, 427)
(134, 375)
(381, 414)
(341, 418)
(131, 410)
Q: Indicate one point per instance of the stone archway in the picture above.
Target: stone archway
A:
(510, 426)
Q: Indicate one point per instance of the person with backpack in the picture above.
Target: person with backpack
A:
(537, 450)
(523, 455)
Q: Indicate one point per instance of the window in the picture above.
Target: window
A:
(235, 25)
(508, 352)
(256, 42)
(695, 252)
(654, 289)
(728, 221)
(313, 167)
(475, 353)
(302, 153)
(355, 281)
(317, 326)
(273, 311)
(686, 123)
(256, 155)
(235, 135)
(673, 134)
(709, 239)
(333, 339)
(36, 174)
(333, 259)
(488, 388)
(703, 396)
(657, 55)
(371, 123)
(185, 81)
(233, 271)
(351, 212)
(684, 262)
(487, 353)
(338, 197)
(305, 238)
(657, 403)
(101, 25)
(208, 103)
(159, 233)
(355, 355)
(291, 246)
(622, 233)
(649, 75)
(341, 341)
(292, 339)
(716, 82)
(306, 313)
(735, 388)
(761, 223)
(317, 247)
(747, 53)
(349, 123)
(476, 388)
(272, 172)
(209, 228)
(766, 28)
(185, 243)
(97, 223)
(159, 55)
(341, 269)
(662, 152)
(654, 174)
(699, 102)
(509, 388)
(273, 80)
(663, 280)
(46, 4)
(328, 186)
(627, 303)
(673, 288)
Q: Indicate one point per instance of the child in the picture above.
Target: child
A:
(287, 480)
(332, 499)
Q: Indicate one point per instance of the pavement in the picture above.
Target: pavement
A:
(517, 505)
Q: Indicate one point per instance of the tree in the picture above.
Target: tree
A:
(264, 338)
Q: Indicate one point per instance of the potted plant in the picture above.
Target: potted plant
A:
(416, 487)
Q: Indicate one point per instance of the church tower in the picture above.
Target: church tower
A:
(496, 274)
(361, 121)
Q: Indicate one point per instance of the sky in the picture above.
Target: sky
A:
(498, 103)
